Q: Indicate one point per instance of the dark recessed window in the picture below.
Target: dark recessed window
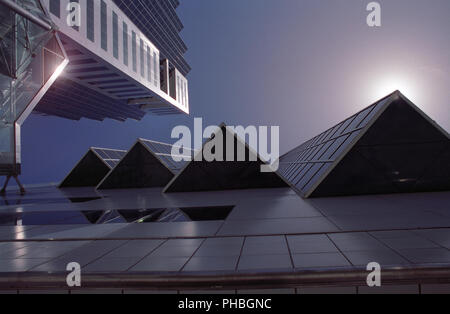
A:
(104, 25)
(125, 43)
(207, 213)
(133, 50)
(55, 8)
(83, 199)
(90, 23)
(162, 215)
(115, 35)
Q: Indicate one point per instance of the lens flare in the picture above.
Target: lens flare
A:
(387, 85)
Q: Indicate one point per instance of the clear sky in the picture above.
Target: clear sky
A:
(303, 65)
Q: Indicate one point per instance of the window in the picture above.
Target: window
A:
(156, 69)
(55, 8)
(104, 26)
(142, 58)
(133, 51)
(90, 20)
(185, 94)
(182, 92)
(115, 35)
(149, 64)
(178, 89)
(99, 217)
(125, 43)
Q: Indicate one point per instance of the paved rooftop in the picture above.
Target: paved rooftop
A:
(268, 231)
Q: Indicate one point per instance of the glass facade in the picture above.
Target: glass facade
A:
(164, 152)
(34, 56)
(55, 7)
(125, 44)
(149, 64)
(115, 25)
(181, 89)
(133, 50)
(104, 25)
(304, 166)
(156, 69)
(90, 20)
(142, 61)
(115, 36)
(158, 21)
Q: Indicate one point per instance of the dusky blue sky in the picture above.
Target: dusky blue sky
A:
(303, 65)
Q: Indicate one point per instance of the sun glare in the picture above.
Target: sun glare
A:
(387, 85)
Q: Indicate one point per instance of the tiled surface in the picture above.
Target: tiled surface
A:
(267, 230)
(111, 264)
(388, 248)
(265, 246)
(135, 248)
(204, 264)
(48, 249)
(218, 247)
(264, 262)
(160, 264)
(292, 207)
(439, 236)
(165, 230)
(383, 257)
(77, 232)
(422, 256)
(348, 242)
(318, 260)
(82, 255)
(277, 226)
(304, 244)
(8, 250)
(19, 265)
(413, 242)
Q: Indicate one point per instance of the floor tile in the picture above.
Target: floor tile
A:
(236, 241)
(212, 264)
(117, 264)
(383, 257)
(311, 244)
(439, 255)
(411, 242)
(160, 264)
(19, 265)
(268, 262)
(135, 248)
(319, 260)
(265, 246)
(174, 251)
(356, 242)
(50, 249)
(219, 250)
(277, 226)
(7, 249)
